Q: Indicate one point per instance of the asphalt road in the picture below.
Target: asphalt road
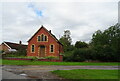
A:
(40, 71)
(10, 75)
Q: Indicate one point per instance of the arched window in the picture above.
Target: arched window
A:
(42, 37)
(38, 38)
(45, 38)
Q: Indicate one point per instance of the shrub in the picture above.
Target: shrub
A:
(78, 55)
(34, 58)
(105, 53)
(68, 56)
(51, 57)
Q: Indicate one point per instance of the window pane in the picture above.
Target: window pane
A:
(42, 37)
(45, 38)
(33, 48)
(51, 48)
(38, 38)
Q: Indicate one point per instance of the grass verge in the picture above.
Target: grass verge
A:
(87, 74)
(25, 62)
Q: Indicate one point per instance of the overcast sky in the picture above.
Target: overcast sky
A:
(20, 20)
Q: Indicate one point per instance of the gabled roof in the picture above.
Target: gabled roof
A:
(15, 45)
(46, 31)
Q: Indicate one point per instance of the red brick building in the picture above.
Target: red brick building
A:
(43, 44)
(12, 47)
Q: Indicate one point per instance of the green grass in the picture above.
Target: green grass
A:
(87, 74)
(25, 62)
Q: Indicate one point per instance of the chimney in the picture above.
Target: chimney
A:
(49, 31)
(20, 42)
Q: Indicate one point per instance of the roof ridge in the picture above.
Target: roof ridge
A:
(14, 43)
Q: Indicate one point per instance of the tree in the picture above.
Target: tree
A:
(107, 43)
(66, 40)
(110, 36)
(96, 38)
(67, 36)
(80, 44)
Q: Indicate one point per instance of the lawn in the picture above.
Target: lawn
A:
(25, 62)
(87, 74)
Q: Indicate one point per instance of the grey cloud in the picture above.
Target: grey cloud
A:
(20, 22)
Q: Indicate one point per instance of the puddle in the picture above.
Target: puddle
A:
(23, 74)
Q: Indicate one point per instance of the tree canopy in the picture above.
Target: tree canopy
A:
(66, 40)
(108, 41)
(80, 44)
(104, 46)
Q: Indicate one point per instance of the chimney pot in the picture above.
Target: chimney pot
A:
(20, 42)
(50, 31)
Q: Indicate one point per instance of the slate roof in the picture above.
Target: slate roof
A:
(15, 45)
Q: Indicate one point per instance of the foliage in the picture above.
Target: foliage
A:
(107, 44)
(34, 58)
(10, 54)
(13, 54)
(80, 74)
(104, 46)
(48, 57)
(31, 57)
(68, 56)
(80, 44)
(67, 35)
(66, 40)
(21, 51)
(78, 55)
(83, 54)
(51, 57)
(104, 53)
(1, 51)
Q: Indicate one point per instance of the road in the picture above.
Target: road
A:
(41, 71)
(10, 75)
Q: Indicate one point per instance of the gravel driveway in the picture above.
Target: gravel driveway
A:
(43, 71)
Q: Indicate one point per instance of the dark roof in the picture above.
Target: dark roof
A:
(48, 32)
(56, 39)
(16, 46)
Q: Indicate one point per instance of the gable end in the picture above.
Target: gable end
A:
(48, 33)
(7, 45)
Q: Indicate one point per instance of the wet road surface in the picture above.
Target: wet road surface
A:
(42, 71)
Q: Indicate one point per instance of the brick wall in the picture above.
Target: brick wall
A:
(4, 47)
